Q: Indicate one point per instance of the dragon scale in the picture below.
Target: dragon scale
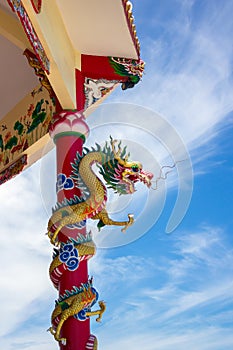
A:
(119, 175)
(93, 207)
(78, 212)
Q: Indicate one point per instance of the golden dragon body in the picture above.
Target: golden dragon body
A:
(121, 176)
(71, 306)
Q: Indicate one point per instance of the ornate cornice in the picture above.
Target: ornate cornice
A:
(130, 19)
(13, 169)
(36, 4)
(18, 8)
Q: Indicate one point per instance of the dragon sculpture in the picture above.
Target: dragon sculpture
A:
(76, 303)
(120, 175)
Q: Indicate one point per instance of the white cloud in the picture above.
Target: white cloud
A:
(173, 300)
(205, 339)
(25, 251)
(189, 70)
(179, 300)
(142, 293)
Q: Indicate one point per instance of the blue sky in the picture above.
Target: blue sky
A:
(163, 291)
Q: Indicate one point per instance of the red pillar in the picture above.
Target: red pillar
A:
(69, 131)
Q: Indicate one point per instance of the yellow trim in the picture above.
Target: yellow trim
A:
(12, 30)
(78, 60)
(52, 33)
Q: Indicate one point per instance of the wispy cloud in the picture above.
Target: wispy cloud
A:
(189, 67)
(213, 339)
(181, 299)
(25, 252)
(176, 299)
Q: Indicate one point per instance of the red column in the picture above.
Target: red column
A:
(69, 131)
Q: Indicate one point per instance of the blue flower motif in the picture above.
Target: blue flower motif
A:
(64, 182)
(69, 255)
(81, 315)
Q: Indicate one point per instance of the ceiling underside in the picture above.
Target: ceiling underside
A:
(63, 31)
(98, 27)
(17, 78)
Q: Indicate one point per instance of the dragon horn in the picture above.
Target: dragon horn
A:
(117, 153)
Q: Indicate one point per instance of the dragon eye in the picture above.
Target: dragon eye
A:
(135, 168)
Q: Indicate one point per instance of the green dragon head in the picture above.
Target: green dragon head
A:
(119, 173)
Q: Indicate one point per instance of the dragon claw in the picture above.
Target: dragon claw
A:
(54, 241)
(129, 223)
(99, 312)
(119, 173)
(53, 237)
(56, 336)
(51, 330)
(62, 340)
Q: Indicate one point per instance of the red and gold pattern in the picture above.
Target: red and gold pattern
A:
(13, 169)
(37, 47)
(36, 5)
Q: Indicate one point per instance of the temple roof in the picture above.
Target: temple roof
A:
(65, 30)
(100, 27)
(56, 50)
